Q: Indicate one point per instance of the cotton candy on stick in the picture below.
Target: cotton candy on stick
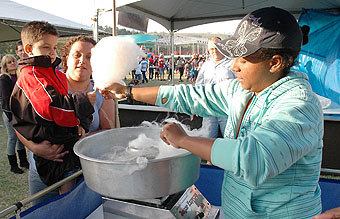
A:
(112, 59)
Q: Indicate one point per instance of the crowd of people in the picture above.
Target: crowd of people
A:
(153, 67)
(270, 119)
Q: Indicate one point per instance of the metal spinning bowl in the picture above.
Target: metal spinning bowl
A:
(123, 180)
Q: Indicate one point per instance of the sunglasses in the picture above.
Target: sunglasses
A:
(10, 62)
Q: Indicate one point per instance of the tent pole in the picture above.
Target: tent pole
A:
(172, 53)
(114, 33)
(95, 25)
(114, 30)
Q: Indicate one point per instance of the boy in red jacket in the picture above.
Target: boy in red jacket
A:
(41, 106)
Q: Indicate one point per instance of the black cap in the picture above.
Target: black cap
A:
(264, 28)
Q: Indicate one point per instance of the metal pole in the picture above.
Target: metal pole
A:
(172, 52)
(114, 33)
(29, 199)
(95, 25)
(114, 30)
(330, 171)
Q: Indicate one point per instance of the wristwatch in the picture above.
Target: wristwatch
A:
(128, 92)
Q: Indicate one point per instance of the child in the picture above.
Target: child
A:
(41, 106)
(272, 146)
(161, 66)
(187, 67)
(144, 68)
(138, 73)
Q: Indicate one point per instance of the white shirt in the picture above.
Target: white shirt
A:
(139, 69)
(212, 73)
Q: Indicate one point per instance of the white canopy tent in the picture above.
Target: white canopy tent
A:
(13, 17)
(175, 15)
(179, 14)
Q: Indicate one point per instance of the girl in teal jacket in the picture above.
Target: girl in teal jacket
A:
(271, 150)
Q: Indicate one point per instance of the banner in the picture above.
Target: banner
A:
(133, 21)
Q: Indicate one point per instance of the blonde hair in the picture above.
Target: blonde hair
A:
(4, 60)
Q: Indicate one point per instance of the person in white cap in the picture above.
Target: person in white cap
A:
(272, 146)
(215, 70)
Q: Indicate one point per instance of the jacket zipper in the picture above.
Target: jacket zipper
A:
(246, 115)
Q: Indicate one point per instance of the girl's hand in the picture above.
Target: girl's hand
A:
(173, 134)
(115, 91)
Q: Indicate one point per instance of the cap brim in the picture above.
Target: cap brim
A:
(231, 48)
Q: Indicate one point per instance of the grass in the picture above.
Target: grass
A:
(13, 187)
(330, 177)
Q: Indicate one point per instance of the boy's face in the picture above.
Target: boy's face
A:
(46, 46)
(253, 75)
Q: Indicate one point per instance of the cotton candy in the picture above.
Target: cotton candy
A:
(112, 59)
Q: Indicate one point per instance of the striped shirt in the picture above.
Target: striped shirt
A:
(272, 167)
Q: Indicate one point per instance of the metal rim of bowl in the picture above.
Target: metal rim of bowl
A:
(76, 146)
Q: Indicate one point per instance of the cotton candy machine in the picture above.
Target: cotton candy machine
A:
(187, 204)
(161, 187)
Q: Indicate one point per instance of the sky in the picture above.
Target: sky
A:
(82, 11)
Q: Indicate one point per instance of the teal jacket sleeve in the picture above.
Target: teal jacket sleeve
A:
(204, 100)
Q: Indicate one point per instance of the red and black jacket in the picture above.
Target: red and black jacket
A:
(41, 106)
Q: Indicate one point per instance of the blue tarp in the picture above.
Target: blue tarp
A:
(330, 193)
(320, 57)
(82, 201)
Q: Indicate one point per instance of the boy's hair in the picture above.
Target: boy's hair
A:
(65, 51)
(33, 31)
